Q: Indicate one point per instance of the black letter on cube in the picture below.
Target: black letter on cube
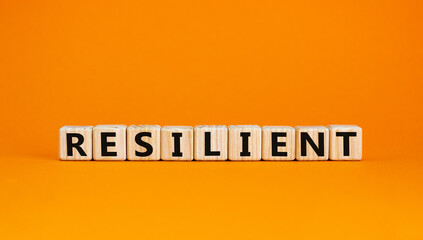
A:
(76, 145)
(305, 137)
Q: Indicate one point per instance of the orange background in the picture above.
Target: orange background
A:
(215, 62)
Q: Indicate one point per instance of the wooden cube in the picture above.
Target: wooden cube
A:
(312, 143)
(345, 142)
(177, 143)
(143, 142)
(76, 143)
(278, 143)
(211, 142)
(109, 142)
(244, 142)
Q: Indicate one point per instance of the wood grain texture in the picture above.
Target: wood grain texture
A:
(186, 143)
(236, 142)
(87, 145)
(288, 140)
(218, 139)
(313, 132)
(119, 141)
(336, 151)
(133, 147)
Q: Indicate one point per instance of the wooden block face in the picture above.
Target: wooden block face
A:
(278, 143)
(211, 142)
(312, 143)
(143, 142)
(244, 142)
(345, 142)
(109, 142)
(177, 143)
(76, 143)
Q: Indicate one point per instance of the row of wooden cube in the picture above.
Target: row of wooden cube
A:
(210, 142)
